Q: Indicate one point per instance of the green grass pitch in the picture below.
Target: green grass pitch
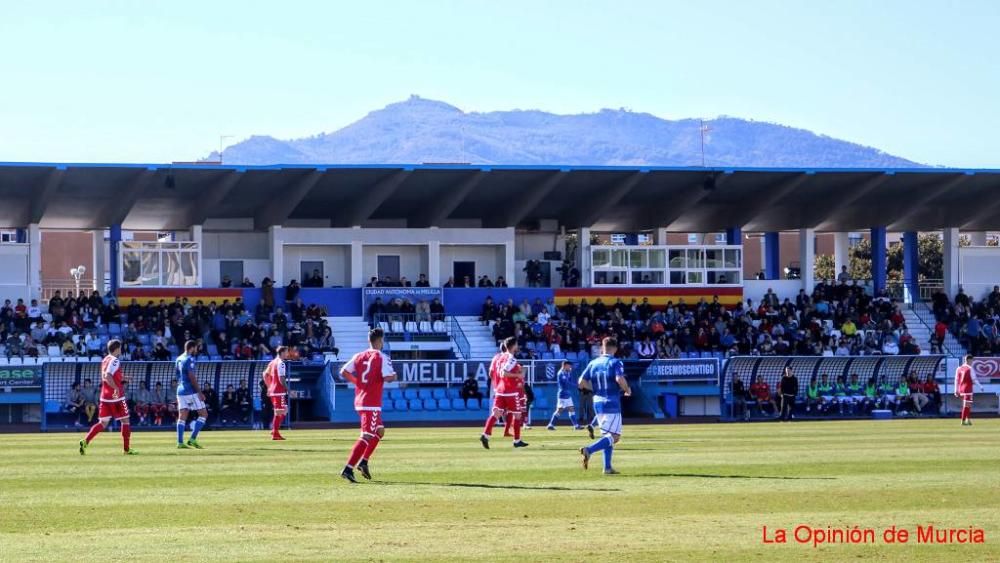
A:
(686, 492)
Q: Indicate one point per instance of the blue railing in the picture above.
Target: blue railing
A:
(458, 335)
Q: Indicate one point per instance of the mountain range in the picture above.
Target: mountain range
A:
(419, 130)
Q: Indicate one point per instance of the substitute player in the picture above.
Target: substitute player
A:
(564, 397)
(965, 380)
(606, 376)
(277, 390)
(509, 399)
(189, 396)
(368, 371)
(113, 404)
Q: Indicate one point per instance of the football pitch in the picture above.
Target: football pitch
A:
(685, 492)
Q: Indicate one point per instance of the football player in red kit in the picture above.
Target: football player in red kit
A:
(113, 404)
(368, 371)
(277, 390)
(965, 380)
(509, 394)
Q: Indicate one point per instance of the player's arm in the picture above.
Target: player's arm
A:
(958, 379)
(584, 381)
(194, 383)
(620, 379)
(388, 372)
(511, 364)
(347, 372)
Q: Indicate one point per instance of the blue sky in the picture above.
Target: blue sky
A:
(161, 81)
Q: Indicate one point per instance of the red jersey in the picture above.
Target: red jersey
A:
(111, 365)
(760, 390)
(964, 380)
(274, 378)
(495, 370)
(369, 368)
(509, 386)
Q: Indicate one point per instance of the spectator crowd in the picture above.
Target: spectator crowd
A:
(975, 324)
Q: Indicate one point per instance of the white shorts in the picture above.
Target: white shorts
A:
(610, 423)
(189, 402)
(564, 403)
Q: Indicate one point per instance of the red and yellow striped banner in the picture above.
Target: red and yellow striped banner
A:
(147, 295)
(658, 297)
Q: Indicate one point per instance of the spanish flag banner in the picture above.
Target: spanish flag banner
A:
(658, 297)
(153, 295)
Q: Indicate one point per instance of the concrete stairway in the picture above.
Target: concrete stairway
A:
(350, 334)
(481, 343)
(920, 322)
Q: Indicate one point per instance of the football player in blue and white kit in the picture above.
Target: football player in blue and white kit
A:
(564, 398)
(606, 376)
(189, 396)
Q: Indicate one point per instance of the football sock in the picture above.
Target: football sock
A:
(357, 452)
(507, 424)
(517, 430)
(555, 417)
(94, 431)
(573, 421)
(373, 443)
(602, 443)
(607, 455)
(490, 423)
(180, 432)
(198, 424)
(276, 424)
(126, 435)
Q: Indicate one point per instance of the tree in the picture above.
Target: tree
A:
(825, 267)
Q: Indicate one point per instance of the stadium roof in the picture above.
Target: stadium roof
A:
(620, 198)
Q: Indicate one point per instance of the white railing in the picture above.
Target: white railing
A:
(66, 286)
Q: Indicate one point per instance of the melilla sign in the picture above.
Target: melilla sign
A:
(20, 376)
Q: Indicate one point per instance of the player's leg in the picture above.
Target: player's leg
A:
(572, 417)
(198, 424)
(360, 447)
(518, 417)
(966, 409)
(554, 419)
(182, 415)
(97, 428)
(279, 404)
(375, 438)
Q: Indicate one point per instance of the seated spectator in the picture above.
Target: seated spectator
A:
(827, 396)
(856, 394)
(484, 281)
(158, 404)
(450, 282)
(246, 283)
(373, 282)
(437, 310)
(75, 404)
(89, 392)
(226, 282)
(143, 399)
(917, 395)
(813, 399)
(933, 393)
(904, 398)
(403, 282)
(423, 311)
(501, 282)
(160, 353)
(886, 394)
(761, 393)
(470, 390)
(422, 281)
(211, 402)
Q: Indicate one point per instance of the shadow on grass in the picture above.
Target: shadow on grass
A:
(711, 476)
(503, 487)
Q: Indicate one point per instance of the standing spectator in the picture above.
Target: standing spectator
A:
(789, 389)
(244, 402)
(74, 404)
(267, 408)
(587, 412)
(314, 280)
(933, 392)
(291, 293)
(211, 402)
(230, 406)
(89, 400)
(740, 397)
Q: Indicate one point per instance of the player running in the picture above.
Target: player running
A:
(277, 390)
(606, 376)
(564, 402)
(189, 397)
(368, 371)
(965, 380)
(508, 399)
(113, 403)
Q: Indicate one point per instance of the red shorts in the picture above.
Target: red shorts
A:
(117, 410)
(510, 403)
(966, 397)
(371, 421)
(279, 402)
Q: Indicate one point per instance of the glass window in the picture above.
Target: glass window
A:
(610, 278)
(618, 258)
(601, 258)
(695, 259)
(713, 258)
(677, 278)
(657, 258)
(637, 259)
(692, 238)
(723, 277)
(694, 278)
(733, 258)
(677, 259)
(647, 277)
(720, 238)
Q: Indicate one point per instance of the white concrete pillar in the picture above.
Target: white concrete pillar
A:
(434, 263)
(661, 237)
(950, 266)
(277, 245)
(195, 235)
(841, 253)
(977, 238)
(357, 264)
(98, 265)
(510, 271)
(34, 261)
(807, 258)
(584, 262)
